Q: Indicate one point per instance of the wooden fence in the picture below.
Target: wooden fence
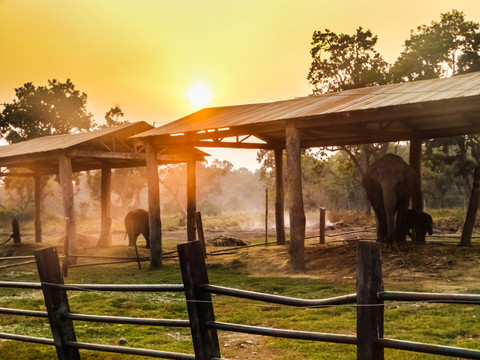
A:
(369, 300)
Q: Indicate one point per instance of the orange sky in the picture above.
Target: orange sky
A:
(145, 55)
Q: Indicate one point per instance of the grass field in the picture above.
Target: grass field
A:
(330, 272)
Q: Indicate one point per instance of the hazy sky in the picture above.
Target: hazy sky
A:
(144, 56)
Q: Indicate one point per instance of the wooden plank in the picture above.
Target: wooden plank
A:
(106, 154)
(199, 302)
(154, 221)
(38, 208)
(295, 198)
(56, 302)
(66, 184)
(369, 307)
(105, 205)
(279, 197)
(191, 200)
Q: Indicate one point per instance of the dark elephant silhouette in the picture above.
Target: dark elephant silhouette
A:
(389, 183)
(421, 223)
(136, 223)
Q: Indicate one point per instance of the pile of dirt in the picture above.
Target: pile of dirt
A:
(226, 241)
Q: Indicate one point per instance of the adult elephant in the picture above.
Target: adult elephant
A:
(389, 183)
(421, 223)
(136, 223)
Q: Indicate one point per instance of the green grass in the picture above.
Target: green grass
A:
(455, 325)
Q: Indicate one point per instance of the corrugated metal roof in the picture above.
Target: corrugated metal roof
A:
(63, 142)
(347, 101)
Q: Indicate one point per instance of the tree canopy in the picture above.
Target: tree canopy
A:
(343, 61)
(37, 111)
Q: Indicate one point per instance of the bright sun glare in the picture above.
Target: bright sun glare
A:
(199, 95)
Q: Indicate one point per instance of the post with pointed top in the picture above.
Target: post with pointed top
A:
(199, 301)
(56, 302)
(369, 307)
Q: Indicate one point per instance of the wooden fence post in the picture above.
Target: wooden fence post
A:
(322, 226)
(200, 234)
(199, 303)
(56, 302)
(369, 307)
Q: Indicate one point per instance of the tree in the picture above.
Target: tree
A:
(57, 108)
(448, 47)
(342, 62)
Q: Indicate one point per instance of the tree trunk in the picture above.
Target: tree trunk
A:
(295, 198)
(154, 221)
(415, 163)
(473, 204)
(279, 198)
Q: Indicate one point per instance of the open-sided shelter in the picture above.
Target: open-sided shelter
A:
(411, 111)
(103, 149)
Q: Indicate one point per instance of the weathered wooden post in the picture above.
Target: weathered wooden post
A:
(266, 217)
(199, 302)
(279, 197)
(369, 307)
(154, 221)
(66, 179)
(295, 197)
(105, 199)
(16, 232)
(415, 162)
(322, 226)
(38, 207)
(191, 200)
(200, 234)
(56, 302)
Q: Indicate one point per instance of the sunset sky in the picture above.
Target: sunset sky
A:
(145, 56)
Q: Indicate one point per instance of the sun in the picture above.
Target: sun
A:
(199, 95)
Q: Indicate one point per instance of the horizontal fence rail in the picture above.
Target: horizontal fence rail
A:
(282, 300)
(127, 320)
(284, 333)
(430, 297)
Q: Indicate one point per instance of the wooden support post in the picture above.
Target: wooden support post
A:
(370, 308)
(295, 198)
(38, 208)
(56, 302)
(322, 226)
(279, 198)
(66, 183)
(105, 199)
(154, 221)
(17, 240)
(200, 234)
(415, 163)
(266, 217)
(191, 200)
(199, 302)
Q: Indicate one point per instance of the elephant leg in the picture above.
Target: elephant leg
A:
(146, 235)
(389, 204)
(131, 238)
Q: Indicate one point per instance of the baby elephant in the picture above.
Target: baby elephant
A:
(136, 223)
(421, 223)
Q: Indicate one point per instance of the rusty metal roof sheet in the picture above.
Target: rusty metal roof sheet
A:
(375, 97)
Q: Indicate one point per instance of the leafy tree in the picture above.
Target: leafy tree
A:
(113, 116)
(57, 108)
(447, 47)
(343, 61)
